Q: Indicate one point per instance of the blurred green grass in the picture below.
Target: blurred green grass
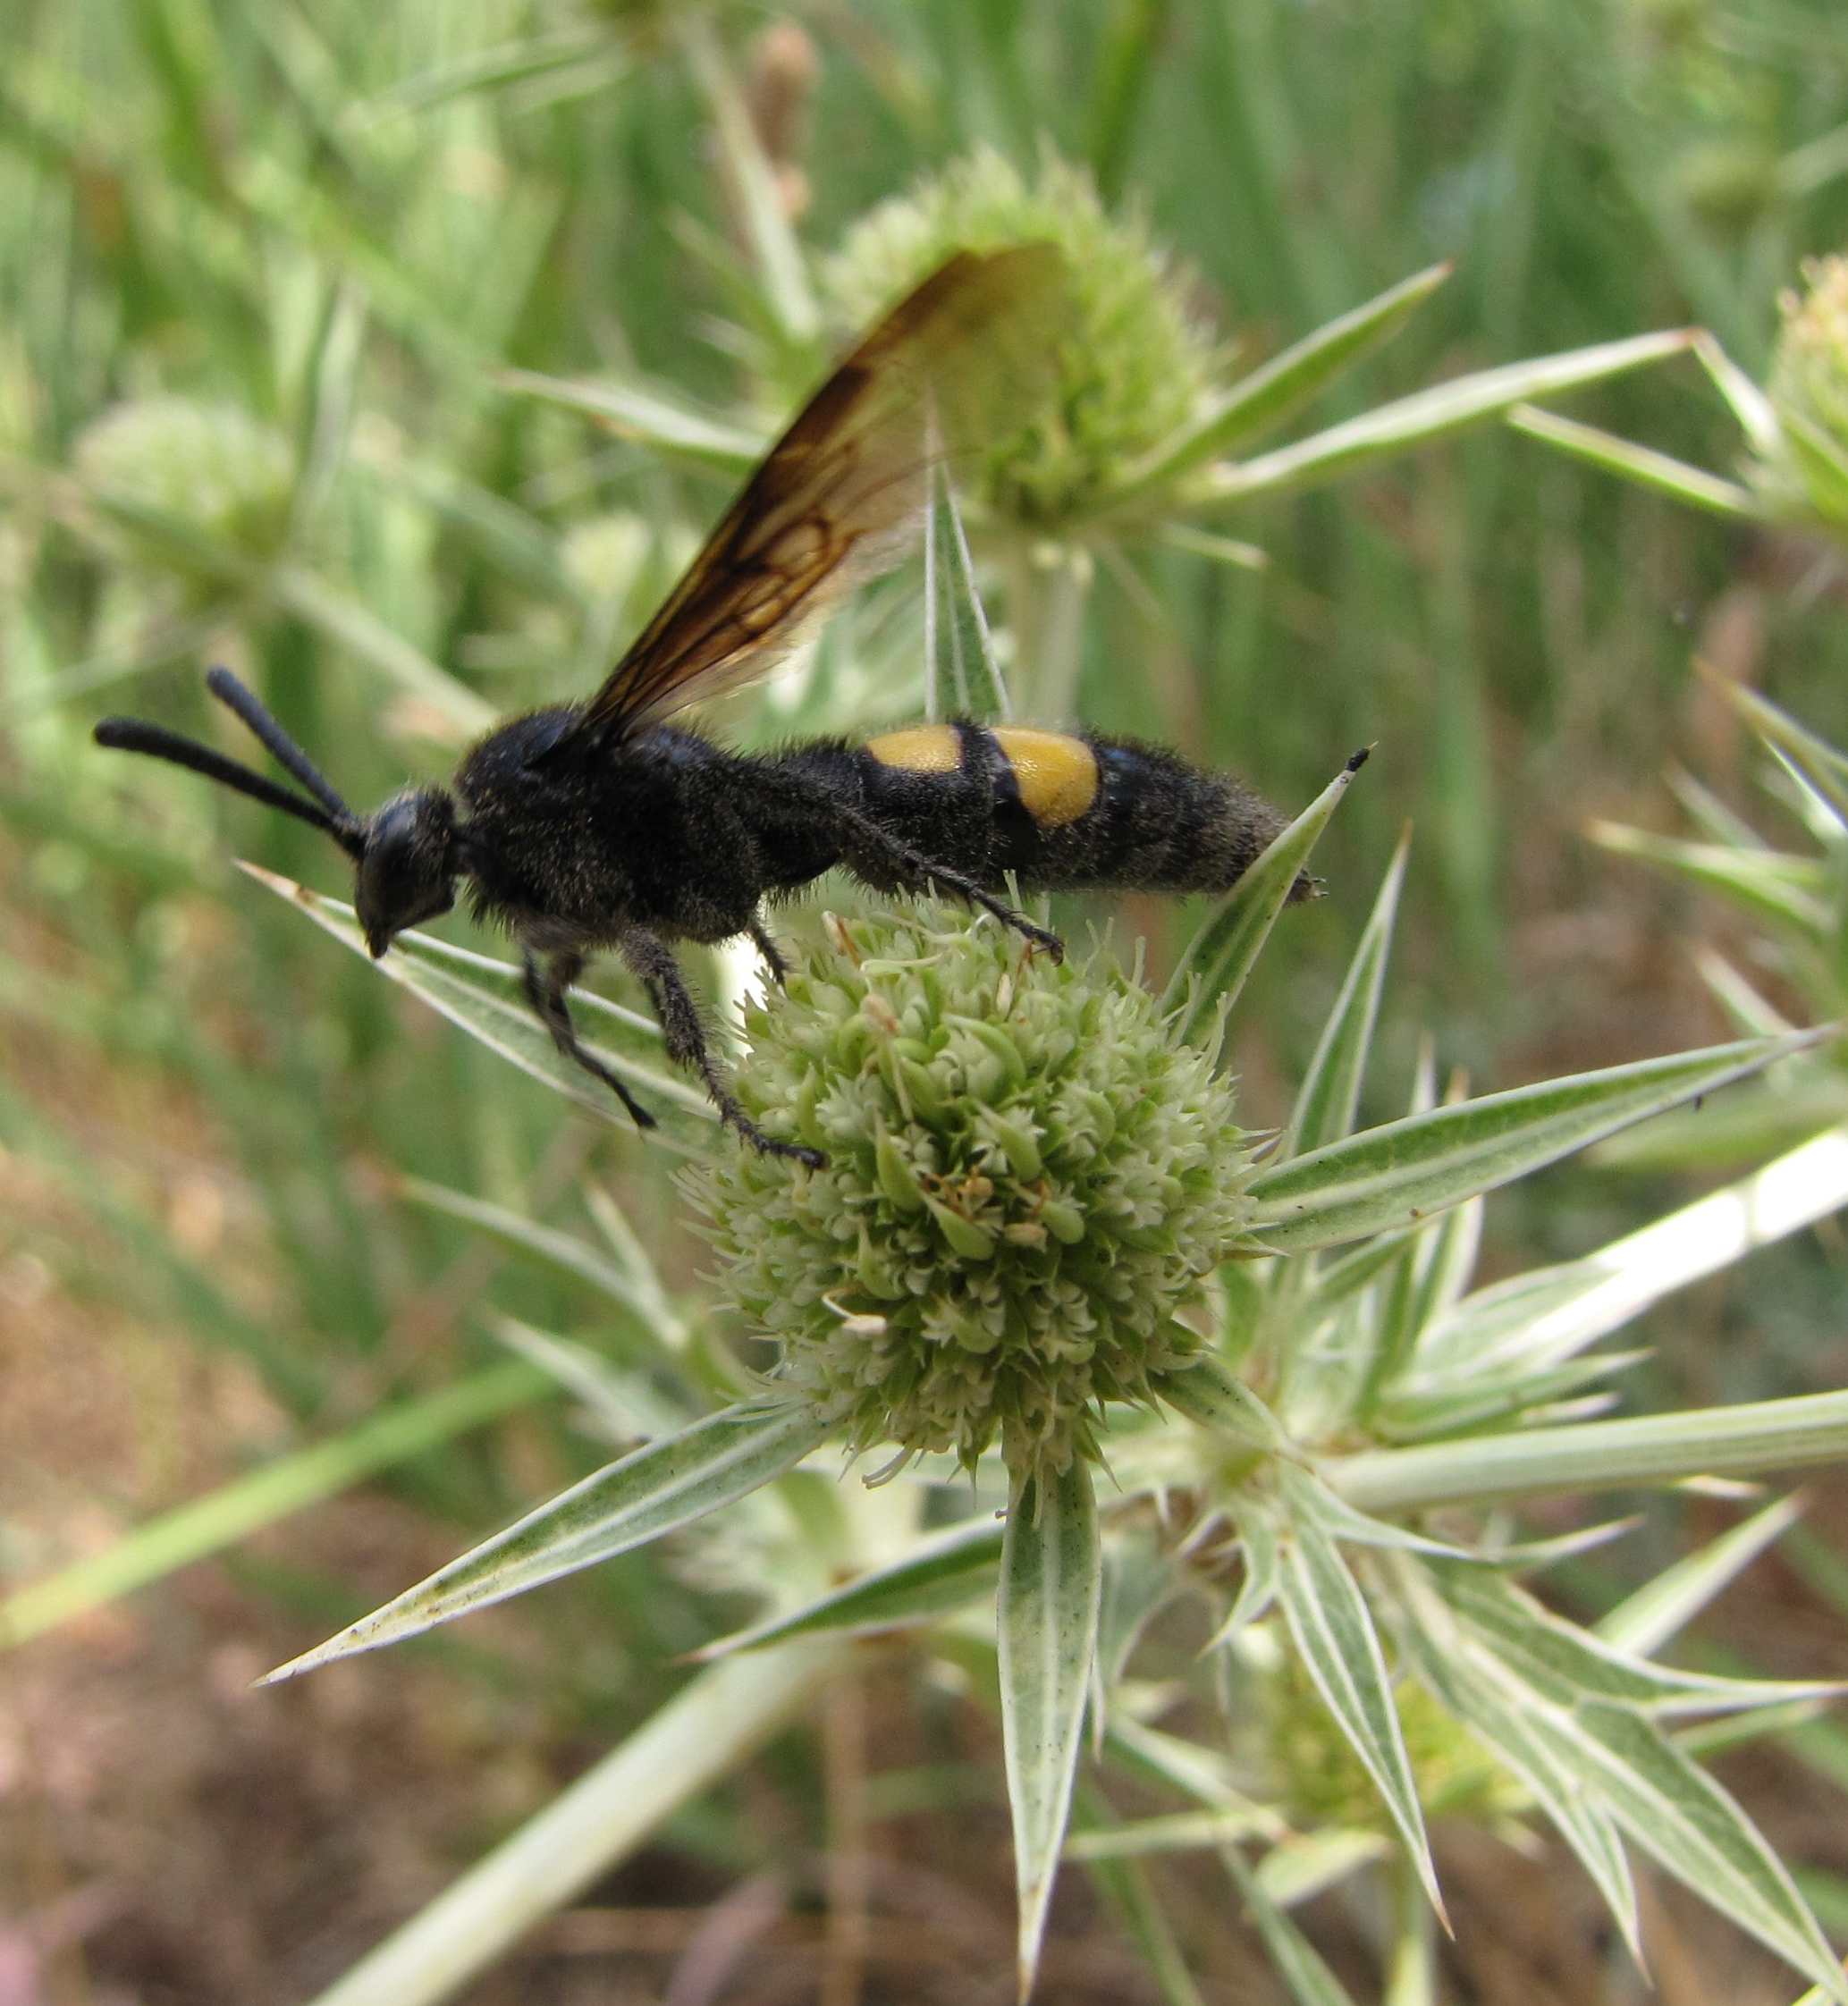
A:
(344, 222)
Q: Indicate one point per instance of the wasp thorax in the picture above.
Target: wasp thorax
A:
(407, 868)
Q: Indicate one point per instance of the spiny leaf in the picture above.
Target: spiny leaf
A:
(1225, 949)
(959, 658)
(663, 1486)
(939, 1575)
(1283, 385)
(1333, 1631)
(1330, 1095)
(1395, 1176)
(1051, 1589)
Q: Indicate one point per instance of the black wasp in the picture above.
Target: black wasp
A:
(587, 827)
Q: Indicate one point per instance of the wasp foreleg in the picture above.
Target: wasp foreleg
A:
(546, 991)
(660, 974)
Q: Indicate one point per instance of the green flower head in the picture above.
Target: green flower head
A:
(1809, 390)
(1028, 1176)
(1133, 366)
(1310, 1768)
(212, 468)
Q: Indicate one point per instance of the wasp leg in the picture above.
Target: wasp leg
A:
(660, 976)
(913, 868)
(546, 991)
(772, 955)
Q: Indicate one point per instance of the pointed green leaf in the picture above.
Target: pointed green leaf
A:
(1231, 551)
(940, 1573)
(1338, 1276)
(563, 1252)
(1212, 971)
(1282, 385)
(1176, 1831)
(1444, 1258)
(1051, 1589)
(658, 1488)
(1395, 1176)
(1305, 1496)
(1435, 414)
(1528, 1556)
(1753, 1012)
(1522, 1735)
(1645, 1620)
(1758, 419)
(1333, 1632)
(1677, 1813)
(487, 999)
(1261, 1552)
(1212, 1396)
(658, 418)
(629, 1403)
(1711, 816)
(959, 658)
(1549, 1314)
(1304, 1864)
(1573, 1665)
(1757, 1121)
(1821, 463)
(1776, 885)
(1827, 766)
(1330, 1095)
(1639, 465)
(1824, 818)
(1470, 1399)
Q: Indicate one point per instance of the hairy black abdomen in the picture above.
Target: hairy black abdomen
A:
(1063, 812)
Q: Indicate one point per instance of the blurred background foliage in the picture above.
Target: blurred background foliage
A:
(268, 269)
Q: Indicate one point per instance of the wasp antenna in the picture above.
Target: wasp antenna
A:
(132, 735)
(249, 710)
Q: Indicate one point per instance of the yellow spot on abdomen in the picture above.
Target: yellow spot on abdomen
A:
(920, 748)
(1057, 775)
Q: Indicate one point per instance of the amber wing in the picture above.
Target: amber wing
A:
(837, 498)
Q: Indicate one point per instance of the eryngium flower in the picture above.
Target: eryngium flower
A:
(211, 467)
(1028, 1176)
(1809, 390)
(1133, 364)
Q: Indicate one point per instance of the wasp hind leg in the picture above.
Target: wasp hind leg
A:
(546, 991)
(919, 872)
(660, 976)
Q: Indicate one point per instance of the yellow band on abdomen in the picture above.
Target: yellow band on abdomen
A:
(1057, 775)
(919, 748)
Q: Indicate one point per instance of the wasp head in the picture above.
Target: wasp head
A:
(408, 853)
(409, 866)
